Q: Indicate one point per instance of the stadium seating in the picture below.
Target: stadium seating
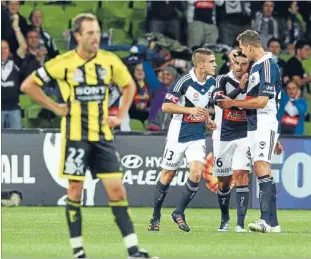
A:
(128, 23)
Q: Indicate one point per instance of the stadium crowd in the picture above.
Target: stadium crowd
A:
(284, 27)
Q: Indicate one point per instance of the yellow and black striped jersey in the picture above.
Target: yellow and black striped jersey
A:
(84, 86)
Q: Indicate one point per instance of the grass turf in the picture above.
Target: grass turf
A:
(41, 232)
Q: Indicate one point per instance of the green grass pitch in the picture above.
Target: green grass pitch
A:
(41, 232)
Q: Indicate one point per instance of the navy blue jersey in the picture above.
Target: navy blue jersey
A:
(189, 92)
(264, 80)
(231, 123)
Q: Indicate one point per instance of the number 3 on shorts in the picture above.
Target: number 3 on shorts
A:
(170, 155)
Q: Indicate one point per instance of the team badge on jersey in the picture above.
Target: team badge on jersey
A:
(102, 73)
(78, 76)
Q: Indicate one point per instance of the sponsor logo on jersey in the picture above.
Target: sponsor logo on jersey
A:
(235, 115)
(90, 93)
(102, 73)
(78, 76)
(196, 96)
(219, 94)
(193, 118)
(171, 98)
(252, 79)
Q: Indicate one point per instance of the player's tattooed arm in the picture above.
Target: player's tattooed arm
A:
(233, 94)
(241, 89)
(178, 109)
(254, 103)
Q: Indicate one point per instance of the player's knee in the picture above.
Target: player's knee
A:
(75, 190)
(262, 168)
(167, 176)
(195, 174)
(196, 169)
(118, 193)
(241, 177)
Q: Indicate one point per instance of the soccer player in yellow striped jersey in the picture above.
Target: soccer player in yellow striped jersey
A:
(84, 76)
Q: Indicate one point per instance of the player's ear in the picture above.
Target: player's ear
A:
(77, 36)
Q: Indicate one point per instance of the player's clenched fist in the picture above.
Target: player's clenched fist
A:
(114, 121)
(199, 111)
(61, 109)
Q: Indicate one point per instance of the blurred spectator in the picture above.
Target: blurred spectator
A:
(292, 110)
(296, 26)
(163, 17)
(34, 57)
(140, 107)
(157, 120)
(201, 23)
(305, 10)
(7, 21)
(22, 45)
(115, 99)
(233, 17)
(10, 85)
(294, 69)
(46, 41)
(265, 24)
(274, 46)
(162, 57)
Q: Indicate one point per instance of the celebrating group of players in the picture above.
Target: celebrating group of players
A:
(245, 129)
(245, 132)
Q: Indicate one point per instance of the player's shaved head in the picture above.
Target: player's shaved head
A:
(249, 37)
(200, 54)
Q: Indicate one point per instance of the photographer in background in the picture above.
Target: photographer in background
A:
(292, 110)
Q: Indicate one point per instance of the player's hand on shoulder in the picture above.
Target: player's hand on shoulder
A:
(199, 111)
(278, 148)
(114, 121)
(243, 81)
(61, 109)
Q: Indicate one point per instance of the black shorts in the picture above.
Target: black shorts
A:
(101, 158)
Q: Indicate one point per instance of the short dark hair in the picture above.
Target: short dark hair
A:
(249, 37)
(273, 39)
(77, 21)
(202, 51)
(31, 30)
(301, 44)
(240, 54)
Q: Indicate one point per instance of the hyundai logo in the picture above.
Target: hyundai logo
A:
(132, 161)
